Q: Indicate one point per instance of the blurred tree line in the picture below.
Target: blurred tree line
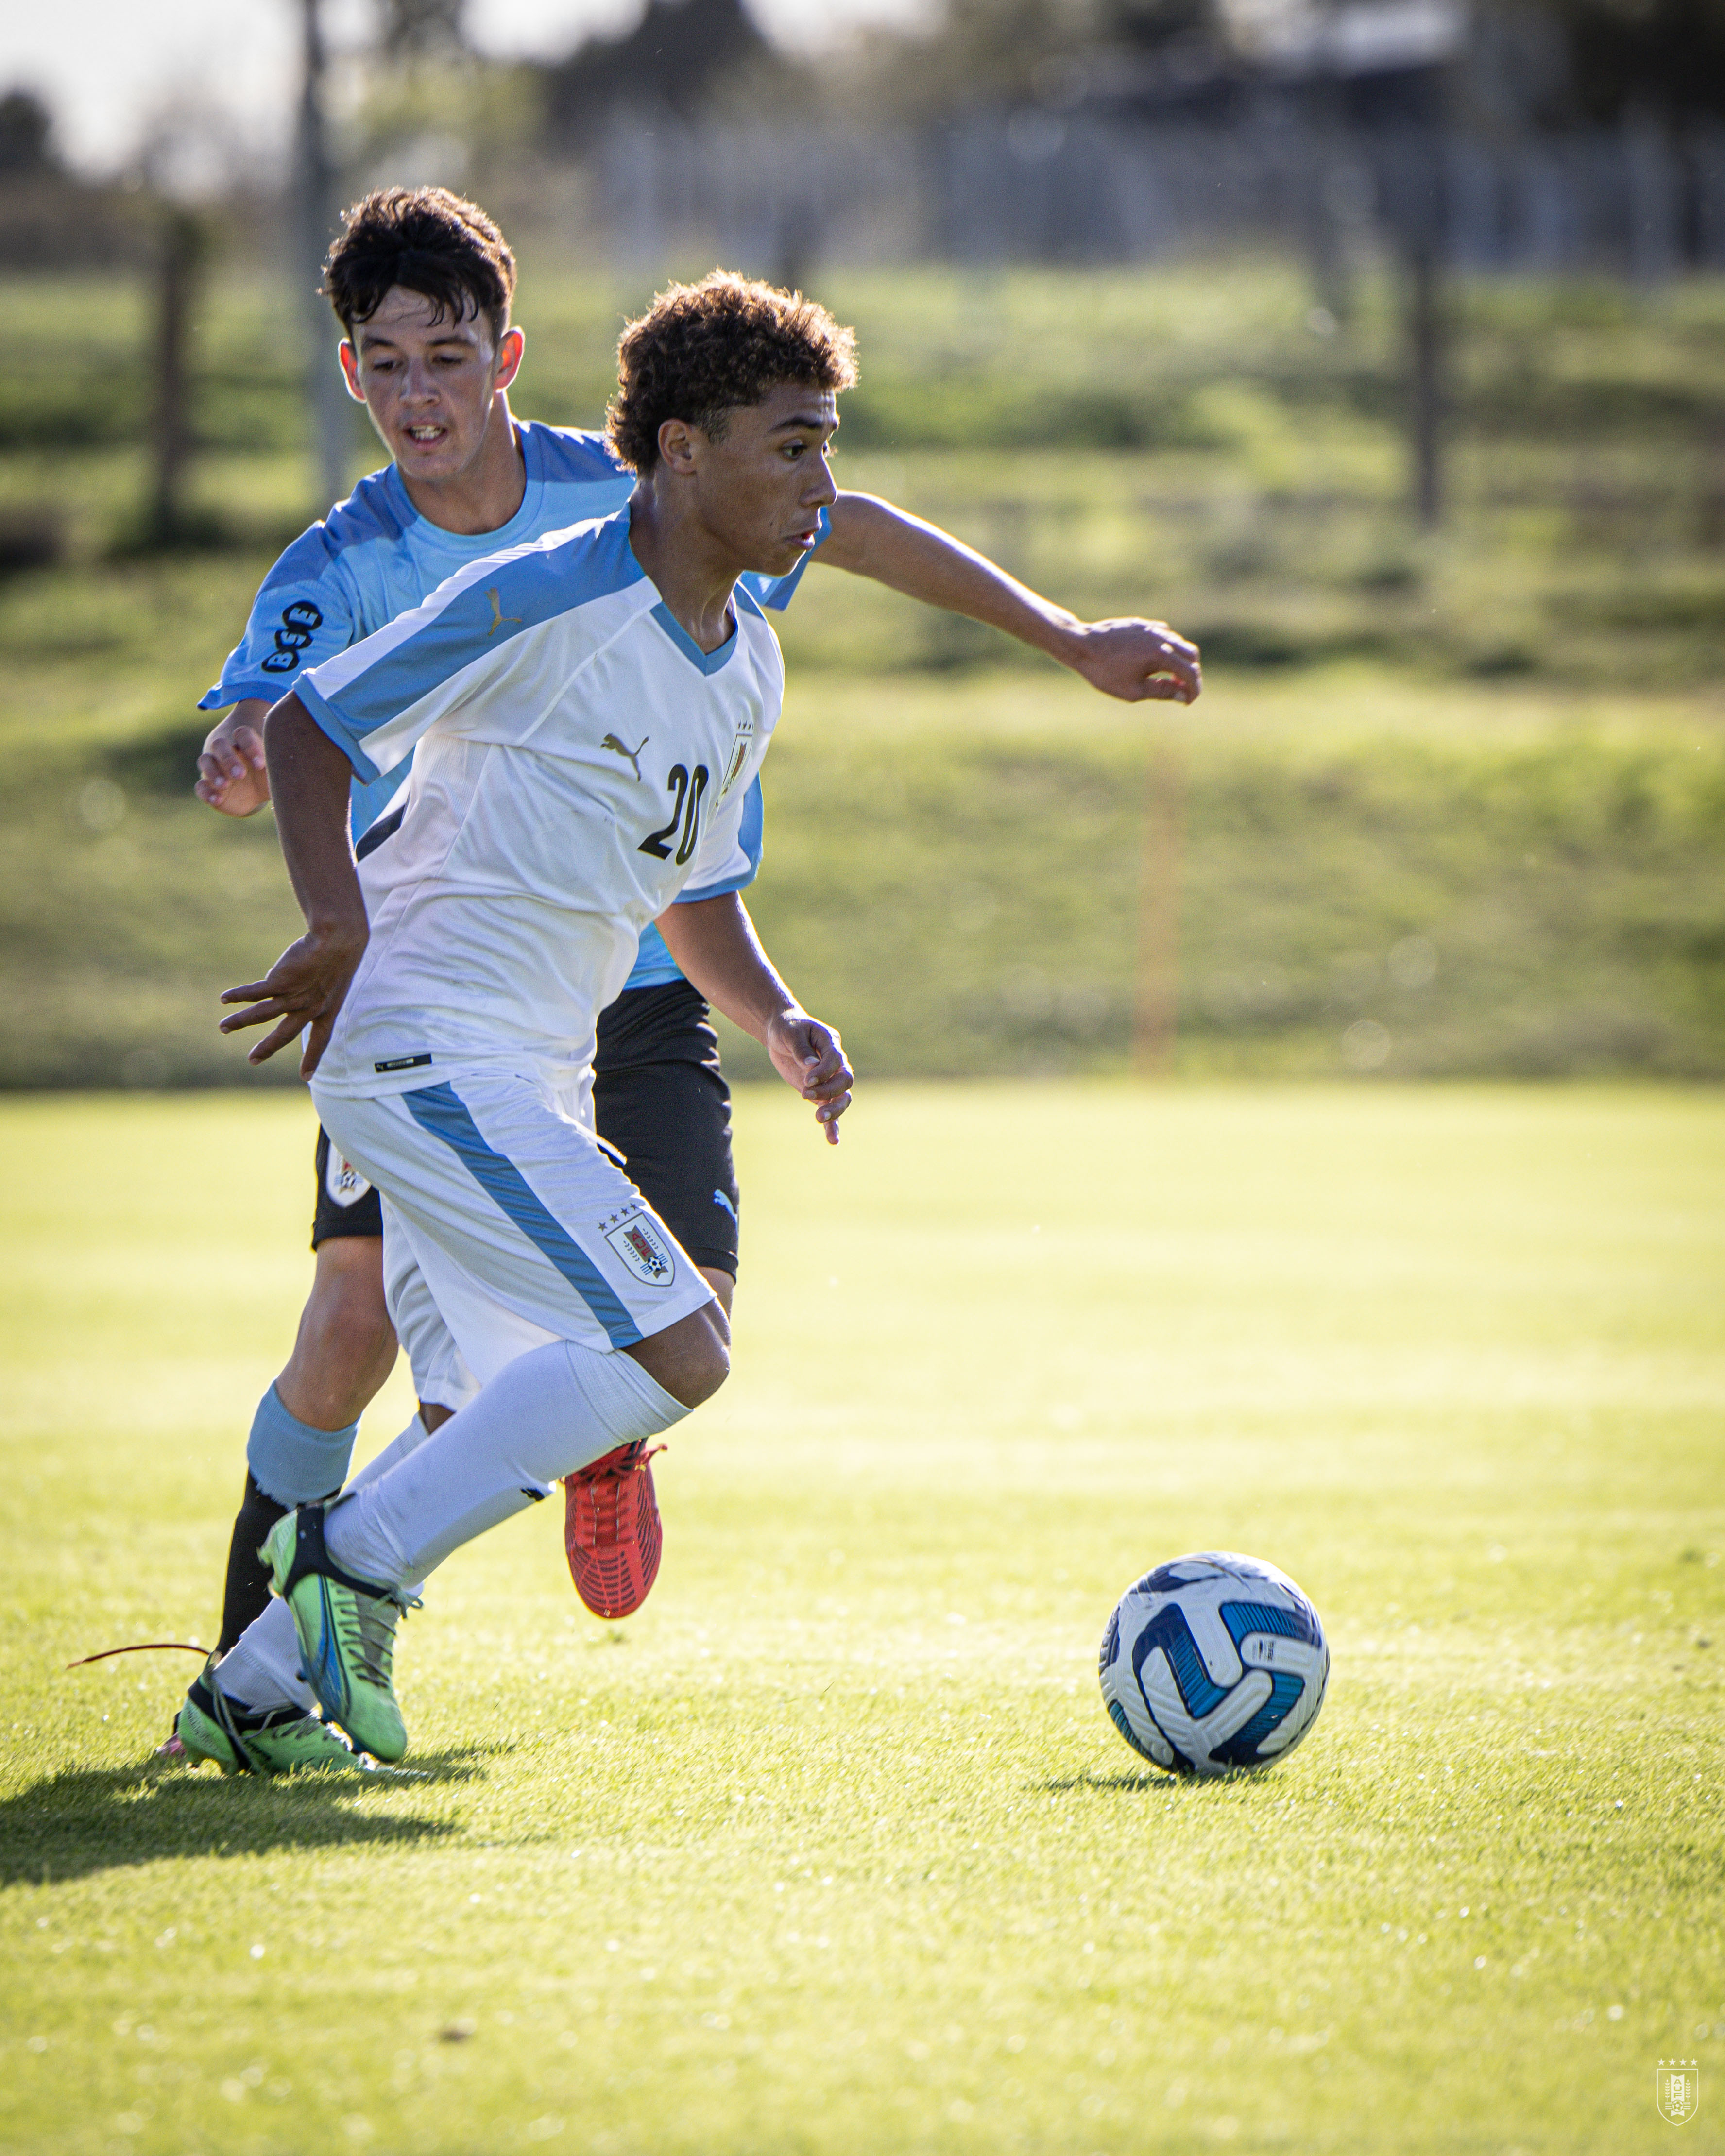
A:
(420, 87)
(418, 102)
(50, 216)
(1551, 64)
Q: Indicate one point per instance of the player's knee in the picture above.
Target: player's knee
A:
(346, 1343)
(703, 1358)
(347, 1320)
(690, 1359)
(343, 1355)
(713, 1364)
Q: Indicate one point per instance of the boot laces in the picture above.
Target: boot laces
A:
(369, 1622)
(603, 1484)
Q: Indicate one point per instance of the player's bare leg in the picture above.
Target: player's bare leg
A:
(346, 1345)
(690, 1359)
(302, 1437)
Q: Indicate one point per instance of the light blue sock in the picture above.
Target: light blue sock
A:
(292, 1462)
(261, 1670)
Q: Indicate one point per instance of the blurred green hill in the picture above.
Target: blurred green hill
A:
(1454, 802)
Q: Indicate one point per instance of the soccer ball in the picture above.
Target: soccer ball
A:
(1212, 1662)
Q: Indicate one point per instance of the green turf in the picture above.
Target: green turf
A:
(1563, 856)
(832, 1849)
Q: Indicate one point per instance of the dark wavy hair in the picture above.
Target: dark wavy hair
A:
(429, 241)
(701, 350)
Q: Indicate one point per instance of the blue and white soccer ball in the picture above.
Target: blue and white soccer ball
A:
(1214, 1661)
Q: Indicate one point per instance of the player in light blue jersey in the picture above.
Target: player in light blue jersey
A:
(421, 283)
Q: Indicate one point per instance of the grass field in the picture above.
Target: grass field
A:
(954, 863)
(832, 1849)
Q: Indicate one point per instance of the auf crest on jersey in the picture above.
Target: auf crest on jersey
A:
(739, 754)
(643, 1251)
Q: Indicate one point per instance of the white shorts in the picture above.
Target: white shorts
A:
(506, 1226)
(441, 1376)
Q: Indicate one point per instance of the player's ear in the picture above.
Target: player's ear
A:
(511, 350)
(350, 370)
(676, 444)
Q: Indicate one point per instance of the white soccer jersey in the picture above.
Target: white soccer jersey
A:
(579, 759)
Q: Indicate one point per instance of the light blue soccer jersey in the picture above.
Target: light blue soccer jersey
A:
(375, 556)
(579, 762)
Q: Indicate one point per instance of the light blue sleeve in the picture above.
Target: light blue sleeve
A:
(655, 968)
(303, 614)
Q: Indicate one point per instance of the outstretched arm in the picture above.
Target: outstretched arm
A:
(1131, 660)
(714, 941)
(309, 781)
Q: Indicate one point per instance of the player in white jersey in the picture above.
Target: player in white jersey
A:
(449, 988)
(422, 284)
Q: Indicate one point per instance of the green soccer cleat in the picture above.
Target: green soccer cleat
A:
(211, 1726)
(347, 1629)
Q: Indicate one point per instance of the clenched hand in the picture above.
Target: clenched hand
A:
(810, 1056)
(1137, 661)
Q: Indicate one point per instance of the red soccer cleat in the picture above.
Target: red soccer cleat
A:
(612, 1530)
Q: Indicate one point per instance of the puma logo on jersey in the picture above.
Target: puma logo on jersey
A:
(498, 616)
(622, 748)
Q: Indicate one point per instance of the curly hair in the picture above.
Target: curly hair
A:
(429, 241)
(701, 350)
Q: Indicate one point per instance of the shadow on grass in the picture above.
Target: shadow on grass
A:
(100, 1819)
(1063, 1785)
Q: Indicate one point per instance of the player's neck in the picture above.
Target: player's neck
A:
(694, 572)
(486, 492)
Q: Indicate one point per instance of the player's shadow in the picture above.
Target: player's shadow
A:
(102, 1819)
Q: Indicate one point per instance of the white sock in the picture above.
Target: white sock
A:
(554, 1409)
(261, 1670)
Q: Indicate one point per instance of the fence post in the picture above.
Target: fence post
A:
(1415, 206)
(182, 251)
(1425, 355)
(315, 204)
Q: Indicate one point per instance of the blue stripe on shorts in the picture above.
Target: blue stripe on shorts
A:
(436, 1109)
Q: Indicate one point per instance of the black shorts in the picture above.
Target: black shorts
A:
(659, 1098)
(346, 1204)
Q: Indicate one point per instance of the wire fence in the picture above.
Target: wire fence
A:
(1039, 187)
